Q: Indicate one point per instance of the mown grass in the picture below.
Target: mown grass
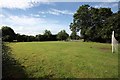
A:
(66, 59)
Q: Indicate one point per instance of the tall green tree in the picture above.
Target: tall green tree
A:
(74, 30)
(47, 34)
(8, 34)
(91, 21)
(81, 19)
(62, 35)
(111, 24)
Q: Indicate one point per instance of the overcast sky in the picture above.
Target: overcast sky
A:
(32, 17)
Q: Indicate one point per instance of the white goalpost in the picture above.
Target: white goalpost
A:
(114, 43)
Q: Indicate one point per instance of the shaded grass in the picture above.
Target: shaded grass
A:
(11, 68)
(66, 59)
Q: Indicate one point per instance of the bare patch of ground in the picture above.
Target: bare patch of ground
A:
(105, 49)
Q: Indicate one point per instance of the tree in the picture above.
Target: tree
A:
(74, 30)
(47, 34)
(19, 37)
(82, 20)
(40, 37)
(110, 25)
(22, 38)
(62, 35)
(73, 35)
(25, 38)
(8, 34)
(31, 38)
(92, 22)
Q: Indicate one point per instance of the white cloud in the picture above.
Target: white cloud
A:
(30, 25)
(42, 12)
(20, 4)
(111, 0)
(53, 12)
(57, 12)
(22, 24)
(1, 16)
(62, 11)
(115, 5)
(35, 15)
(110, 5)
(25, 20)
(38, 15)
(24, 4)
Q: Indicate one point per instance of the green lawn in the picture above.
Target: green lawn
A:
(66, 59)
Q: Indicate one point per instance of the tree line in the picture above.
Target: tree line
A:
(8, 35)
(95, 24)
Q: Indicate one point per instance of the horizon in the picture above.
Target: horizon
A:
(34, 18)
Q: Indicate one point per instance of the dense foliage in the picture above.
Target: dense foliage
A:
(74, 36)
(62, 35)
(8, 34)
(96, 24)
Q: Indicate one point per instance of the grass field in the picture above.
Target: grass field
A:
(66, 59)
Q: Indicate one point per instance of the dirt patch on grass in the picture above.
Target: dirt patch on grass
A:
(105, 49)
